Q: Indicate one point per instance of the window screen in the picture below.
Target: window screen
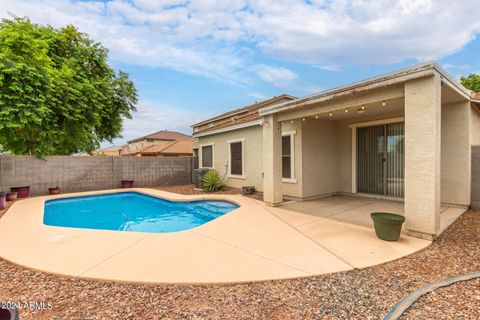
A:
(287, 157)
(236, 158)
(207, 157)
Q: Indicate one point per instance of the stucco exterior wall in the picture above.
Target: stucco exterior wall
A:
(422, 161)
(344, 140)
(320, 158)
(253, 167)
(474, 126)
(455, 153)
(252, 154)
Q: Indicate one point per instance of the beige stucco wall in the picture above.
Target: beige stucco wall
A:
(474, 126)
(344, 140)
(422, 160)
(328, 169)
(253, 152)
(455, 153)
(320, 157)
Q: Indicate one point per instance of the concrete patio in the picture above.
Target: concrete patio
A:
(356, 209)
(252, 243)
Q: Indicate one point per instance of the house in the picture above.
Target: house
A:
(109, 151)
(161, 144)
(405, 135)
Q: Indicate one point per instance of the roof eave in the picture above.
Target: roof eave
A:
(229, 128)
(418, 71)
(216, 118)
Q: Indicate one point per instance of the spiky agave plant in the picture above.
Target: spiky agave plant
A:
(212, 181)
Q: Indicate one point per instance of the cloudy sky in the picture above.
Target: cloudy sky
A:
(191, 59)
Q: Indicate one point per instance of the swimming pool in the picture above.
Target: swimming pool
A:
(132, 211)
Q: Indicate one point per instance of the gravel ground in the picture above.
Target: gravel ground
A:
(188, 189)
(463, 297)
(359, 294)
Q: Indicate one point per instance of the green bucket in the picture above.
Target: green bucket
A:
(388, 226)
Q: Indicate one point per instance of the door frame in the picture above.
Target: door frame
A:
(354, 127)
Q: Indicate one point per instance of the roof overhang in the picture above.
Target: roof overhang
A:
(428, 69)
(242, 110)
(229, 128)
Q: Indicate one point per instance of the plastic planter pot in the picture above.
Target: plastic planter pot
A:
(55, 190)
(22, 192)
(3, 200)
(127, 183)
(388, 226)
(11, 196)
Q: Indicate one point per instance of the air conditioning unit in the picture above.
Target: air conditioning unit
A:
(198, 176)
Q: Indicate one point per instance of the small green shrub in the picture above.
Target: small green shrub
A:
(212, 181)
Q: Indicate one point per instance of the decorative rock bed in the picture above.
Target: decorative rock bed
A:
(359, 294)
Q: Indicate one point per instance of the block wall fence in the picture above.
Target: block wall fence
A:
(476, 177)
(84, 173)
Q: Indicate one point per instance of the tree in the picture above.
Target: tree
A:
(471, 82)
(58, 95)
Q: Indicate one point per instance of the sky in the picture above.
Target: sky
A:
(193, 59)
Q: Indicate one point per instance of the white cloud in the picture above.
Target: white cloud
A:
(259, 96)
(151, 117)
(360, 32)
(327, 67)
(278, 76)
(212, 38)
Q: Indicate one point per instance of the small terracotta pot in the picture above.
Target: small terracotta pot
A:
(3, 200)
(127, 183)
(55, 190)
(11, 196)
(22, 192)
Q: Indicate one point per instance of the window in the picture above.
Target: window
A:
(207, 156)
(288, 157)
(236, 158)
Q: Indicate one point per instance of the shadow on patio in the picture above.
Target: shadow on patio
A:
(356, 210)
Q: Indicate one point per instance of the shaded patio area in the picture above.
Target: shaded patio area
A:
(356, 209)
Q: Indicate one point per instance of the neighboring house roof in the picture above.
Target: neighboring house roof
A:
(475, 96)
(177, 147)
(163, 135)
(112, 148)
(109, 151)
(397, 77)
(239, 116)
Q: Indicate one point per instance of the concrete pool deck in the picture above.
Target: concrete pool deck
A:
(251, 243)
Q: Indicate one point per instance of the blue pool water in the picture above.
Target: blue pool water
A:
(132, 211)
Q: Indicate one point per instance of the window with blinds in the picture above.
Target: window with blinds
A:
(287, 157)
(236, 158)
(207, 156)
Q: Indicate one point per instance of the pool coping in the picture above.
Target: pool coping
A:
(147, 195)
(251, 243)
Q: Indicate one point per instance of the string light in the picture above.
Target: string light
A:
(346, 110)
(291, 121)
(303, 119)
(316, 116)
(384, 103)
(330, 114)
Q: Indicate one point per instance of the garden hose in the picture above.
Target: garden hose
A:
(407, 301)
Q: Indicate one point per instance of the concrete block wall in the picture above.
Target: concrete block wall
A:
(74, 174)
(475, 177)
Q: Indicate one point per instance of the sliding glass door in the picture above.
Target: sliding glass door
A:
(381, 159)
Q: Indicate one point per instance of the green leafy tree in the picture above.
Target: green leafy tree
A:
(58, 95)
(471, 82)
